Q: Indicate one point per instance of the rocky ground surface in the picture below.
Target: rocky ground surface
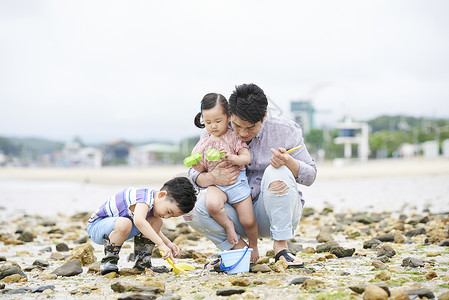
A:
(347, 256)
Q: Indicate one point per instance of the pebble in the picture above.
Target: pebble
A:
(374, 292)
(342, 252)
(387, 251)
(70, 268)
(261, 268)
(412, 262)
(229, 291)
(399, 295)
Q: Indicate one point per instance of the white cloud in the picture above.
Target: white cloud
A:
(138, 70)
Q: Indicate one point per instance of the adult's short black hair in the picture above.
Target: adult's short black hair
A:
(181, 190)
(248, 102)
(209, 101)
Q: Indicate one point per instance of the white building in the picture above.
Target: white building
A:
(351, 132)
(151, 154)
(73, 155)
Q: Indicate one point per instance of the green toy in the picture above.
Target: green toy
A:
(192, 159)
(213, 155)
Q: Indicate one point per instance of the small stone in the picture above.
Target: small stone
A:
(62, 247)
(383, 275)
(41, 263)
(386, 250)
(46, 249)
(444, 296)
(399, 295)
(242, 281)
(383, 258)
(387, 237)
(309, 250)
(359, 289)
(260, 268)
(94, 268)
(70, 268)
(264, 260)
(299, 280)
(81, 240)
(444, 243)
(312, 283)
(415, 232)
(421, 293)
(47, 276)
(326, 247)
(431, 275)
(26, 237)
(370, 243)
(10, 269)
(399, 238)
(229, 291)
(84, 253)
(412, 262)
(342, 252)
(11, 278)
(374, 292)
(274, 282)
(280, 266)
(325, 235)
(110, 275)
(378, 264)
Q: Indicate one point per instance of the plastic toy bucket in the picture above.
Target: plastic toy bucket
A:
(235, 261)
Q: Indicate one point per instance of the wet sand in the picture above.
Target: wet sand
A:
(29, 197)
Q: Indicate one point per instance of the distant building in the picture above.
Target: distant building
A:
(445, 148)
(73, 155)
(2, 159)
(303, 112)
(430, 149)
(407, 150)
(117, 153)
(152, 154)
(351, 132)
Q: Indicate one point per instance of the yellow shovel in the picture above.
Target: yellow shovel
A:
(178, 268)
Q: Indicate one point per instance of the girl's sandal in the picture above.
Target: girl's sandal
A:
(289, 257)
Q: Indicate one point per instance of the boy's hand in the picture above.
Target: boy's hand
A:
(167, 251)
(174, 248)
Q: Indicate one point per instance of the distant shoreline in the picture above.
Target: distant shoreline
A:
(160, 174)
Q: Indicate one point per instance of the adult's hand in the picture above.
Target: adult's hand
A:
(279, 158)
(225, 173)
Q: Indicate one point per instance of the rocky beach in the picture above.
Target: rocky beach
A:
(374, 230)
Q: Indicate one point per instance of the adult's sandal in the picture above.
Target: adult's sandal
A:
(289, 257)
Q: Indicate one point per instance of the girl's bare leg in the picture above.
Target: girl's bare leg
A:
(215, 200)
(246, 217)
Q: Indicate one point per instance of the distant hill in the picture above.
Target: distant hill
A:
(394, 123)
(36, 146)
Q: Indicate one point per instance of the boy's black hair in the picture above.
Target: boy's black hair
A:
(248, 102)
(181, 190)
(209, 101)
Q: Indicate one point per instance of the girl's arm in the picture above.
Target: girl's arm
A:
(241, 159)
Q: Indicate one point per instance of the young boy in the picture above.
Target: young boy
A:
(138, 213)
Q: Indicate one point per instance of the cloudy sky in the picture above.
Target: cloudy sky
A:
(137, 70)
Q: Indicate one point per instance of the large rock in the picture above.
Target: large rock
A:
(70, 268)
(9, 268)
(374, 292)
(387, 251)
(84, 253)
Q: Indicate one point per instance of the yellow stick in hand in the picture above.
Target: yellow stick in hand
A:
(293, 149)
